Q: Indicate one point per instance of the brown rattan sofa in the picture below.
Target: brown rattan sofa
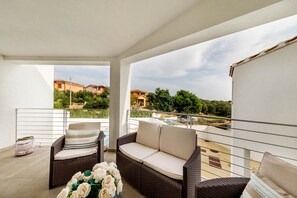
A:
(221, 188)
(152, 182)
(61, 171)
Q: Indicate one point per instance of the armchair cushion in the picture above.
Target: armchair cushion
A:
(179, 142)
(76, 139)
(260, 187)
(280, 172)
(166, 164)
(137, 151)
(74, 153)
(148, 134)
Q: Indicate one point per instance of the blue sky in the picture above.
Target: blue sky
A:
(202, 69)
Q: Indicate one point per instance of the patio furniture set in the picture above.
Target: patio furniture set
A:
(165, 161)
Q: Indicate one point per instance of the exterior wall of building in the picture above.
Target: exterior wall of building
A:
(265, 90)
(22, 86)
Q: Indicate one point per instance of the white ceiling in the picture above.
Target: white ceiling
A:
(102, 28)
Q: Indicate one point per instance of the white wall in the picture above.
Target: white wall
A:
(266, 90)
(22, 87)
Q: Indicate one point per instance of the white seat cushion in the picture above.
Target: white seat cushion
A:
(74, 153)
(166, 164)
(137, 151)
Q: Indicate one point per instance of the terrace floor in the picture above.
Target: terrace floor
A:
(27, 176)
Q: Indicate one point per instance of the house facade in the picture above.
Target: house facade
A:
(264, 89)
(95, 89)
(139, 97)
(63, 85)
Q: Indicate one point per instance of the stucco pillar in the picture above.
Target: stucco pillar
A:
(120, 81)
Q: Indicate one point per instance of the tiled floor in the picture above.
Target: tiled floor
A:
(27, 176)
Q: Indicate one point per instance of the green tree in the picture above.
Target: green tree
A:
(161, 100)
(187, 102)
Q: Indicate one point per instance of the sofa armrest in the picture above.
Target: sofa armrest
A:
(57, 146)
(100, 150)
(126, 139)
(192, 173)
(222, 187)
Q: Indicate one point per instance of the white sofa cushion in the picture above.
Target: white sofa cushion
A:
(74, 153)
(85, 126)
(137, 151)
(179, 142)
(280, 172)
(166, 164)
(148, 134)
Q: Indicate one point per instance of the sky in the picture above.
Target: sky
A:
(202, 69)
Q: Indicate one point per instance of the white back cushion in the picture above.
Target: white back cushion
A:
(148, 134)
(81, 138)
(280, 172)
(179, 142)
(85, 126)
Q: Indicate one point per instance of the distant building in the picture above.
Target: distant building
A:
(140, 98)
(95, 89)
(63, 85)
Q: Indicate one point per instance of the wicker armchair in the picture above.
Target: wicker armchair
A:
(61, 171)
(222, 187)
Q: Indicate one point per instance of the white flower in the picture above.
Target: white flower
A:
(112, 190)
(112, 164)
(84, 189)
(114, 172)
(104, 193)
(75, 195)
(99, 174)
(78, 176)
(102, 165)
(64, 193)
(71, 182)
(119, 187)
(108, 182)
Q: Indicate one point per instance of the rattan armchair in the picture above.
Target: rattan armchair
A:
(223, 188)
(61, 171)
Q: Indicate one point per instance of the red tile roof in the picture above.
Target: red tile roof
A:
(262, 53)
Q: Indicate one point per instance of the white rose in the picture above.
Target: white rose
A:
(104, 193)
(64, 193)
(78, 176)
(102, 165)
(71, 182)
(112, 190)
(108, 181)
(75, 194)
(99, 174)
(119, 187)
(84, 189)
(114, 172)
(117, 176)
(112, 164)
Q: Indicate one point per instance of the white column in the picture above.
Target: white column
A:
(120, 81)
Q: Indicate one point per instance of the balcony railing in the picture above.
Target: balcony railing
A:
(47, 125)
(229, 147)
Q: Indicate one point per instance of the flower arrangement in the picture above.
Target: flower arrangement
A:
(104, 181)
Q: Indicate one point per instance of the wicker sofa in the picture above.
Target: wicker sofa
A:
(222, 187)
(61, 171)
(160, 161)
